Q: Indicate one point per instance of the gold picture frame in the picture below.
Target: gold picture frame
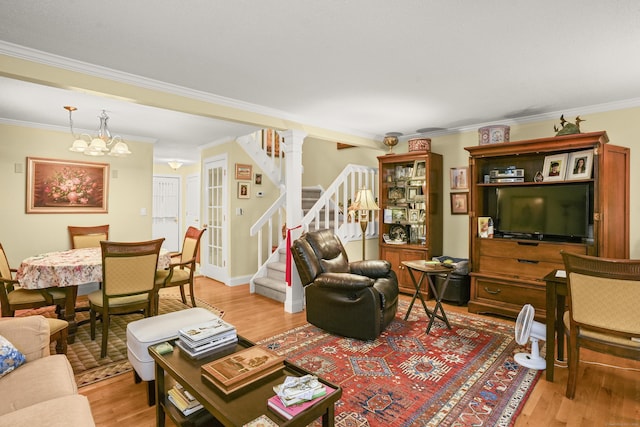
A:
(459, 178)
(244, 190)
(244, 172)
(459, 203)
(66, 186)
(419, 169)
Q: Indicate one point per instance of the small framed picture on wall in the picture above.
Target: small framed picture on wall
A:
(244, 189)
(243, 172)
(459, 203)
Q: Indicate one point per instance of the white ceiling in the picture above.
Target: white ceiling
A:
(364, 67)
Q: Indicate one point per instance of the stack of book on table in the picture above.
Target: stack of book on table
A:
(203, 339)
(237, 370)
(183, 400)
(296, 394)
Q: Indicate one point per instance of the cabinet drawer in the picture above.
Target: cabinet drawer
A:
(528, 250)
(517, 267)
(510, 293)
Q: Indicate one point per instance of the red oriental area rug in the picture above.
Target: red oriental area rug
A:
(465, 376)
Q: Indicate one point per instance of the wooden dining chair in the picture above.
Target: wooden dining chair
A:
(87, 237)
(183, 265)
(13, 297)
(603, 309)
(128, 283)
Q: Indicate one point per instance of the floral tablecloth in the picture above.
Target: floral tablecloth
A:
(67, 268)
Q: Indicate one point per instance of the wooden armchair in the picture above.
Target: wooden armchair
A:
(88, 237)
(180, 273)
(13, 297)
(128, 283)
(603, 309)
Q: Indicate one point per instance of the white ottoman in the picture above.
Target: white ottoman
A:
(154, 330)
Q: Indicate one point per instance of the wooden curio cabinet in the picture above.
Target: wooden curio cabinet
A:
(507, 270)
(411, 206)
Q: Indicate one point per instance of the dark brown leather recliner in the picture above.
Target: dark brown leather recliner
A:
(355, 300)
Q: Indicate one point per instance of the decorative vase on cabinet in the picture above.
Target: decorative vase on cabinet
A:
(410, 210)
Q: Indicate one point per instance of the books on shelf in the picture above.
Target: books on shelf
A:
(238, 369)
(287, 412)
(183, 400)
(203, 339)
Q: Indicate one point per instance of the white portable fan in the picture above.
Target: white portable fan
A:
(527, 328)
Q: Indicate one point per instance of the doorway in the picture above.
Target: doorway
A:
(166, 211)
(214, 254)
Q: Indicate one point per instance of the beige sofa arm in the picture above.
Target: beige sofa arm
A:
(28, 334)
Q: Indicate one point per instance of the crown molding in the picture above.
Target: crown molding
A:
(25, 53)
(49, 59)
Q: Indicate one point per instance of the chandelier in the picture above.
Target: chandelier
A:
(103, 142)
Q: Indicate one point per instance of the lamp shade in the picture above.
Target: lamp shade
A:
(120, 149)
(364, 201)
(79, 145)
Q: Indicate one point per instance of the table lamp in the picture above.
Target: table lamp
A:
(364, 203)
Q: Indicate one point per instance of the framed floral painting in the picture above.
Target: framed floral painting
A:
(66, 186)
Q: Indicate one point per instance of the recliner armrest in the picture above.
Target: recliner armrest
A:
(343, 281)
(374, 268)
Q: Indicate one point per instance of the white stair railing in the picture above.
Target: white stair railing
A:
(330, 211)
(266, 149)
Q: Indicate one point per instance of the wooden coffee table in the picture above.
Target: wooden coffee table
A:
(235, 409)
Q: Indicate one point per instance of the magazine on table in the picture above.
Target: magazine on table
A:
(201, 331)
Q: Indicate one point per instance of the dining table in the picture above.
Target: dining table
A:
(67, 270)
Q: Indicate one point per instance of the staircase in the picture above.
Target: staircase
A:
(274, 284)
(300, 209)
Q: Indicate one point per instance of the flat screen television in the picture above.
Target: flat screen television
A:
(544, 212)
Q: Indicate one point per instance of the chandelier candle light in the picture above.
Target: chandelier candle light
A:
(99, 144)
(364, 203)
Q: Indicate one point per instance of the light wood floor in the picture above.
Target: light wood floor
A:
(605, 396)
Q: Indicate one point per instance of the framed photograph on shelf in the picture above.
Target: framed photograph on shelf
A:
(459, 203)
(580, 164)
(243, 172)
(398, 214)
(412, 193)
(244, 190)
(419, 169)
(66, 186)
(459, 178)
(396, 193)
(555, 167)
(414, 215)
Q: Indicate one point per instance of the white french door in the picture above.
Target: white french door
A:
(214, 254)
(166, 211)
